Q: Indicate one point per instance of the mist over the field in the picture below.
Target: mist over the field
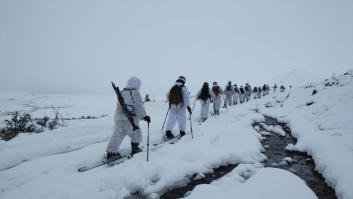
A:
(80, 46)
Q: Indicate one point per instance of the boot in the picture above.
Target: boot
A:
(182, 133)
(135, 148)
(169, 135)
(112, 156)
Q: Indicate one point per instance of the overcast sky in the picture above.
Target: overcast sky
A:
(79, 46)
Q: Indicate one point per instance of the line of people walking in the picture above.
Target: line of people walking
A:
(179, 105)
(231, 95)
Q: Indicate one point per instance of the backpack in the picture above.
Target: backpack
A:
(216, 90)
(176, 95)
(204, 95)
(246, 88)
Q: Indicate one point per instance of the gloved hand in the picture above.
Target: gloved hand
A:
(189, 109)
(147, 119)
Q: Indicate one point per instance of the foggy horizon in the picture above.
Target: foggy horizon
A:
(78, 47)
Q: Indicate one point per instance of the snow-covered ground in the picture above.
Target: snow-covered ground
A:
(325, 128)
(246, 182)
(45, 165)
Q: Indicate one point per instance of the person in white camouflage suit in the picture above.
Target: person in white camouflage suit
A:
(178, 97)
(236, 95)
(218, 91)
(123, 127)
(206, 97)
(228, 92)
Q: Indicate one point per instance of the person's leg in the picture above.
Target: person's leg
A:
(225, 102)
(116, 138)
(215, 107)
(136, 139)
(203, 111)
(229, 100)
(172, 119)
(202, 103)
(181, 113)
(207, 110)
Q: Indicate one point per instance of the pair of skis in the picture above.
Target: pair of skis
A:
(125, 157)
(120, 160)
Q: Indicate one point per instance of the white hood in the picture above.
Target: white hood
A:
(134, 83)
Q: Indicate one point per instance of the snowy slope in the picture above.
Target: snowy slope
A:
(215, 143)
(323, 129)
(295, 77)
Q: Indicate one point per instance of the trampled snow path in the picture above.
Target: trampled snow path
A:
(323, 129)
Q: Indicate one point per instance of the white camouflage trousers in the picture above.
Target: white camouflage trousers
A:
(121, 129)
(242, 97)
(176, 115)
(258, 95)
(228, 100)
(255, 95)
(248, 96)
(205, 107)
(217, 102)
(235, 98)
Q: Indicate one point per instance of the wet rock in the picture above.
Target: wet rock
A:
(283, 163)
(274, 164)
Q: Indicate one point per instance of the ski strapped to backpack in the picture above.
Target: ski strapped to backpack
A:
(127, 113)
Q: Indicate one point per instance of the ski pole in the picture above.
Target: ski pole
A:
(193, 106)
(148, 140)
(192, 135)
(165, 118)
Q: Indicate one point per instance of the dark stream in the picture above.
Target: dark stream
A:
(302, 165)
(299, 163)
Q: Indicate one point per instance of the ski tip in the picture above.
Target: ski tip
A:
(82, 169)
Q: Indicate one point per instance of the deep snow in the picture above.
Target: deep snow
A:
(45, 165)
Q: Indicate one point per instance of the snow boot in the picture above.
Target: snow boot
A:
(182, 133)
(169, 135)
(112, 156)
(135, 148)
